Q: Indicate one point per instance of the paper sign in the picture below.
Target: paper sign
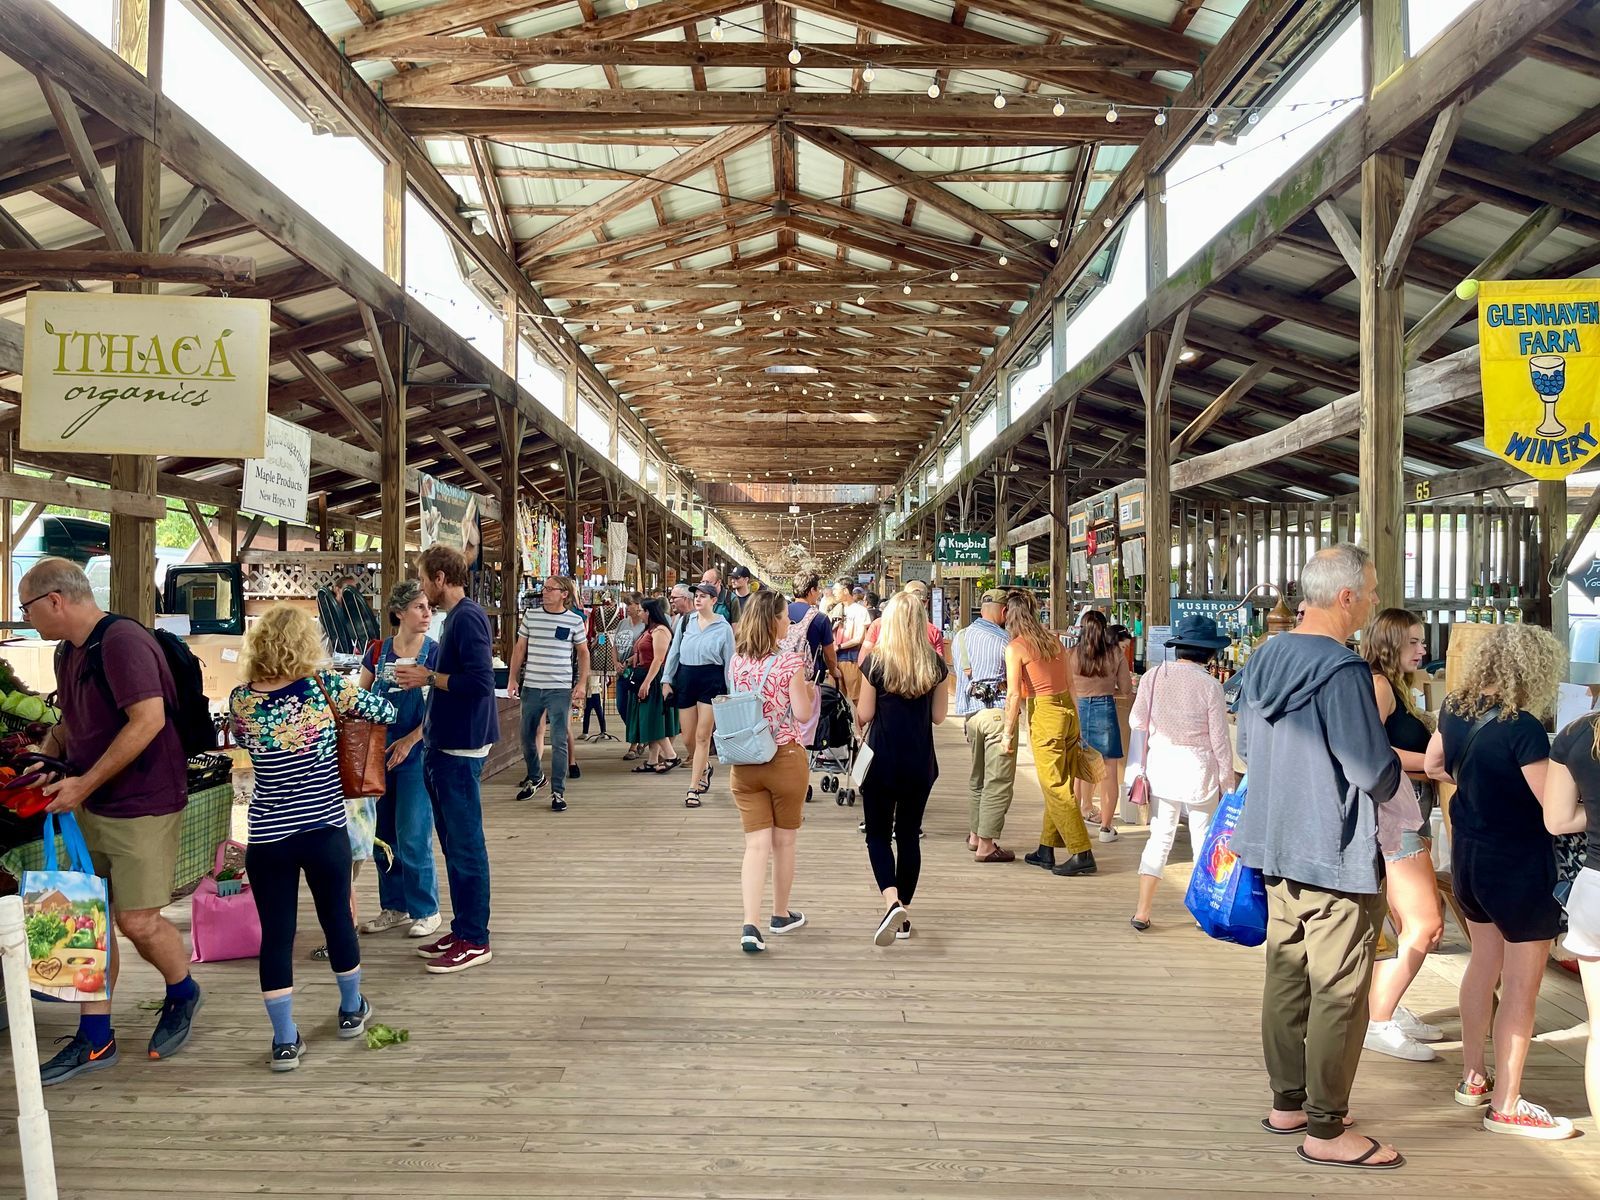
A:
(1539, 357)
(449, 517)
(279, 484)
(129, 374)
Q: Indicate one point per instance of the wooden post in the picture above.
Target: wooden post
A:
(569, 391)
(1382, 439)
(8, 602)
(572, 469)
(1056, 433)
(1160, 356)
(1002, 521)
(1549, 604)
(509, 422)
(140, 25)
(392, 413)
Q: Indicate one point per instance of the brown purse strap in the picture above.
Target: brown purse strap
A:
(338, 717)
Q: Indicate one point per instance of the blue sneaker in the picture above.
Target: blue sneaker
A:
(354, 1024)
(788, 924)
(173, 1026)
(77, 1058)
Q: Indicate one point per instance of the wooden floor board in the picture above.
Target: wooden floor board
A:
(1025, 1043)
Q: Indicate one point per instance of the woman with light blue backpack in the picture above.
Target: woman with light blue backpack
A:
(771, 796)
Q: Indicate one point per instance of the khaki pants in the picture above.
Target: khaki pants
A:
(1320, 948)
(1053, 733)
(852, 680)
(993, 773)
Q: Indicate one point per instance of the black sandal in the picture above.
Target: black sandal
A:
(1362, 1163)
(644, 769)
(665, 765)
(691, 800)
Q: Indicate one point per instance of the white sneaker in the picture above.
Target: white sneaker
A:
(1386, 1037)
(1529, 1121)
(1108, 835)
(386, 920)
(1415, 1027)
(423, 926)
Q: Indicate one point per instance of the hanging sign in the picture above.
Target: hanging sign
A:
(1539, 354)
(126, 374)
(449, 517)
(964, 549)
(1019, 554)
(1229, 615)
(279, 483)
(914, 569)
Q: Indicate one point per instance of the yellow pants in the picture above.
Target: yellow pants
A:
(1053, 733)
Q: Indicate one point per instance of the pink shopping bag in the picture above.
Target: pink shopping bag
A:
(223, 923)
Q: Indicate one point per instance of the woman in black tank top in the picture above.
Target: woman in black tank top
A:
(1394, 647)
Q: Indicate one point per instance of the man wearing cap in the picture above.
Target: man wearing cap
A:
(731, 603)
(980, 669)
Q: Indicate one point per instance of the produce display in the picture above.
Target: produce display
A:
(22, 771)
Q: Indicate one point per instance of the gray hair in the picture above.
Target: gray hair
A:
(59, 575)
(403, 595)
(1330, 571)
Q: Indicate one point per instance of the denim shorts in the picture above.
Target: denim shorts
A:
(1097, 725)
(1411, 845)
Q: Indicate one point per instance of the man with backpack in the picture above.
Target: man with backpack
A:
(810, 628)
(121, 715)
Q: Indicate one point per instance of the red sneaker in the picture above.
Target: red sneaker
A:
(459, 957)
(433, 949)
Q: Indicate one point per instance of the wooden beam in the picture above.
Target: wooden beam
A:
(1498, 265)
(1346, 239)
(1408, 225)
(85, 161)
(183, 219)
(1447, 381)
(642, 189)
(74, 495)
(386, 377)
(1218, 408)
(454, 450)
(212, 270)
(203, 528)
(341, 403)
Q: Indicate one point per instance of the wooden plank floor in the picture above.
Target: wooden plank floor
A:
(1025, 1043)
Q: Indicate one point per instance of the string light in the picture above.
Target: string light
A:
(999, 99)
(955, 276)
(716, 30)
(1111, 115)
(1004, 259)
(861, 299)
(1059, 109)
(1211, 116)
(777, 314)
(933, 94)
(868, 74)
(906, 290)
(699, 324)
(1161, 116)
(1054, 242)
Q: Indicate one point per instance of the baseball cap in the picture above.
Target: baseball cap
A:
(739, 573)
(858, 591)
(994, 596)
(706, 589)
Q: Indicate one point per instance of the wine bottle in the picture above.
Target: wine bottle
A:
(1514, 609)
(1475, 608)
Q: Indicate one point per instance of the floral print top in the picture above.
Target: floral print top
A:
(294, 746)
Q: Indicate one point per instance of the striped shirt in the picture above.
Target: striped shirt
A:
(980, 657)
(294, 746)
(553, 638)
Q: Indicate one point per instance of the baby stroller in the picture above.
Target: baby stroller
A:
(834, 745)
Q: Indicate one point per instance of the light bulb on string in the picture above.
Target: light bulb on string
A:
(1254, 118)
(777, 314)
(868, 74)
(906, 290)
(1054, 242)
(817, 310)
(955, 276)
(738, 321)
(1004, 260)
(999, 99)
(1111, 115)
(716, 30)
(1211, 116)
(861, 299)
(699, 324)
(1106, 223)
(1163, 197)
(1059, 109)
(794, 56)
(1161, 116)
(933, 94)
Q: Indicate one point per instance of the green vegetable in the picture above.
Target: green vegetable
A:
(44, 931)
(379, 1036)
(82, 940)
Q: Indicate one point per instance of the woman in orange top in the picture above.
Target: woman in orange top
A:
(1037, 668)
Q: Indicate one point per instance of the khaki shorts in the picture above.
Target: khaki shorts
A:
(137, 854)
(772, 794)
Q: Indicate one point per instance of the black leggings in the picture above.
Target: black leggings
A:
(898, 807)
(595, 704)
(274, 872)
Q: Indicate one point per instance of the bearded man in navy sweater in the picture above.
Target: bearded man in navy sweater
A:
(460, 727)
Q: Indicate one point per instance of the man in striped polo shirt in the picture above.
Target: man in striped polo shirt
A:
(980, 669)
(552, 640)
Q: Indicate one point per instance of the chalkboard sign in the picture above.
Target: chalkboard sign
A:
(1229, 616)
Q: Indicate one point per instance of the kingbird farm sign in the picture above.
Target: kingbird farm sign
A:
(127, 374)
(963, 554)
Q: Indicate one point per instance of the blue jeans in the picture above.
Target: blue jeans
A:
(555, 703)
(452, 782)
(406, 881)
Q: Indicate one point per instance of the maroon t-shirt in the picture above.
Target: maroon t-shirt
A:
(156, 782)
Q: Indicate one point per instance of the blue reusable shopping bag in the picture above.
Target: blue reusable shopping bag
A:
(1227, 898)
(68, 914)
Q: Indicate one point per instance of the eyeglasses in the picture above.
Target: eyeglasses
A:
(23, 607)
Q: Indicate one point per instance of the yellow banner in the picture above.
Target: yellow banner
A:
(1539, 342)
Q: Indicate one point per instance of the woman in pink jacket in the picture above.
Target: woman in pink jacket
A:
(1188, 759)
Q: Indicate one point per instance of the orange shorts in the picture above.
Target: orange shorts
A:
(772, 795)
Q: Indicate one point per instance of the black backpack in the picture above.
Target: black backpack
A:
(191, 716)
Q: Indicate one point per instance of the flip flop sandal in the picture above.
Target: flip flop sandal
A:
(1363, 1163)
(1144, 926)
(1266, 1123)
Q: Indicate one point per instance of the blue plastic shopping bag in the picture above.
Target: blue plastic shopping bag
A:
(68, 920)
(1227, 898)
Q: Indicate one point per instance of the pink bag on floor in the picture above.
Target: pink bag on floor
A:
(223, 922)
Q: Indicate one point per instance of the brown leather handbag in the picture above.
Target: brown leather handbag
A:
(363, 751)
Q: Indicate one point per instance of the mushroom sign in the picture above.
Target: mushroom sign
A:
(1539, 361)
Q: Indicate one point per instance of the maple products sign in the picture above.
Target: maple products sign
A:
(129, 374)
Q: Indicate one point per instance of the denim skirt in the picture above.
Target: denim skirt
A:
(1097, 725)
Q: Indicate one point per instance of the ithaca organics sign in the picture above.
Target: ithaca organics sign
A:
(127, 374)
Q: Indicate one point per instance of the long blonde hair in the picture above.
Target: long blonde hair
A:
(283, 644)
(909, 665)
(1517, 667)
(1382, 645)
(1023, 625)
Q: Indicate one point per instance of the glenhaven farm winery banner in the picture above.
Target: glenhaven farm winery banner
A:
(112, 374)
(1539, 345)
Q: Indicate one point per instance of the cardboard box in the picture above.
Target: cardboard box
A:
(219, 662)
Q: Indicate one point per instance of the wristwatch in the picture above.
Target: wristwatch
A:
(430, 678)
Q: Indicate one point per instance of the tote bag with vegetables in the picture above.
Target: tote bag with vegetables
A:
(68, 920)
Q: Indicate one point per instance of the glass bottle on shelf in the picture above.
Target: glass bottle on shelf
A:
(1475, 608)
(1514, 609)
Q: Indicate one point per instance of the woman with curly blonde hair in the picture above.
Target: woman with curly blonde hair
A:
(1491, 742)
(284, 715)
(1394, 646)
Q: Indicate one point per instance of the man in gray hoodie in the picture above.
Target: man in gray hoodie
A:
(1319, 764)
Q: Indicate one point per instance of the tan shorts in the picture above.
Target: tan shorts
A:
(772, 794)
(137, 854)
